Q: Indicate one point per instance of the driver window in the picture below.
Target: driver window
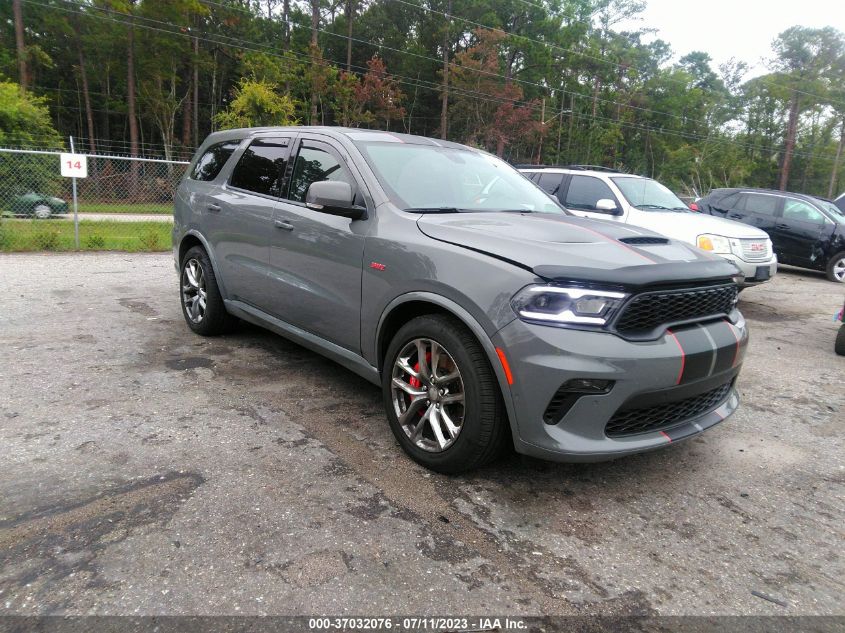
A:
(802, 212)
(585, 191)
(314, 164)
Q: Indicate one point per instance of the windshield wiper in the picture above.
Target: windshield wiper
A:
(652, 206)
(437, 210)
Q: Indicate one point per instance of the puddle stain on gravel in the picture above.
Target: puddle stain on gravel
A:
(56, 541)
(139, 307)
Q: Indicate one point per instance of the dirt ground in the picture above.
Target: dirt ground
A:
(146, 470)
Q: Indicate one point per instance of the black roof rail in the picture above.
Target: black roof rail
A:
(573, 167)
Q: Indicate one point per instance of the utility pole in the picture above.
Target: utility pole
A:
(23, 76)
(444, 109)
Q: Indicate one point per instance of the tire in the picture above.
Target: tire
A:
(839, 345)
(836, 268)
(212, 318)
(41, 211)
(482, 428)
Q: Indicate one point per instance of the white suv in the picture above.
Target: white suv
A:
(605, 194)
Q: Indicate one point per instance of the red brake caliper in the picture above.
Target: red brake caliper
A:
(415, 382)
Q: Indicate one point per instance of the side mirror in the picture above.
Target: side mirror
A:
(335, 198)
(606, 205)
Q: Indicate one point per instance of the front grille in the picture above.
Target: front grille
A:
(754, 250)
(664, 416)
(648, 311)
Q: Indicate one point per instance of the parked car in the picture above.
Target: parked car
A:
(806, 231)
(485, 312)
(604, 193)
(37, 205)
(839, 346)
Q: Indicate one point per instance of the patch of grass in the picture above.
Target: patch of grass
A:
(157, 208)
(109, 235)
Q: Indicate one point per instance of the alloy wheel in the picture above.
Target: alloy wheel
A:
(839, 269)
(193, 290)
(428, 395)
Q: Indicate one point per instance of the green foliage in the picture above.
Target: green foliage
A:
(25, 119)
(257, 103)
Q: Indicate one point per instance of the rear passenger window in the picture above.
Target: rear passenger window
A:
(550, 183)
(262, 166)
(585, 191)
(762, 204)
(212, 161)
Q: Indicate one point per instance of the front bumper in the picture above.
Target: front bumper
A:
(681, 366)
(749, 269)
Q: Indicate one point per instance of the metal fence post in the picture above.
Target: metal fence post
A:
(75, 205)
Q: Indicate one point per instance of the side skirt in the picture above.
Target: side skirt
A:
(340, 355)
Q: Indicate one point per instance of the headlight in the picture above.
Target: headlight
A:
(562, 305)
(714, 243)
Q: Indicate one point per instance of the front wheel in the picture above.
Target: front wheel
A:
(836, 268)
(839, 346)
(441, 396)
(202, 305)
(42, 211)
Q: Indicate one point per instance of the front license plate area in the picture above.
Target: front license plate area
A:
(762, 273)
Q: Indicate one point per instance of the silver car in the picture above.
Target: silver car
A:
(487, 314)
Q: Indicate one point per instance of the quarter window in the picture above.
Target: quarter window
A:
(262, 166)
(585, 191)
(764, 205)
(315, 164)
(802, 212)
(211, 162)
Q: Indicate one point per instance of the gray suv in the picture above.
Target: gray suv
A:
(487, 314)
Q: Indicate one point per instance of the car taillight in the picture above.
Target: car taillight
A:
(693, 206)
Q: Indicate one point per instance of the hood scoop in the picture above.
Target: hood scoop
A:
(644, 239)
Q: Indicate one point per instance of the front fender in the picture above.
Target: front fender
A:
(477, 330)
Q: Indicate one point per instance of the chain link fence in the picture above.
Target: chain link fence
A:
(124, 204)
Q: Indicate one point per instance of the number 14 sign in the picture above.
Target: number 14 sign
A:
(74, 165)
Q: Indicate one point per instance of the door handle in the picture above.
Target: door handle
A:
(782, 226)
(213, 207)
(281, 224)
(735, 216)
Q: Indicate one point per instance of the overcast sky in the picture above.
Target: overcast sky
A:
(734, 28)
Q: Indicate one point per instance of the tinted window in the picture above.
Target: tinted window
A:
(262, 166)
(762, 204)
(212, 161)
(585, 191)
(314, 164)
(801, 211)
(550, 182)
(729, 202)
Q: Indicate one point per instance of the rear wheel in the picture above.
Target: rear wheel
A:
(202, 306)
(839, 346)
(836, 268)
(441, 396)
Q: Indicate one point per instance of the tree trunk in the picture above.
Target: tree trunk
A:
(130, 107)
(444, 106)
(86, 98)
(186, 118)
(195, 101)
(23, 76)
(315, 24)
(350, 15)
(831, 190)
(791, 128)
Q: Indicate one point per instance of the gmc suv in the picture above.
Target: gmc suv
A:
(486, 313)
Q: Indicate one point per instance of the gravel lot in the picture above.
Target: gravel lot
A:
(146, 470)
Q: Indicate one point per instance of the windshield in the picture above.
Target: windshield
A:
(431, 179)
(833, 211)
(649, 195)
